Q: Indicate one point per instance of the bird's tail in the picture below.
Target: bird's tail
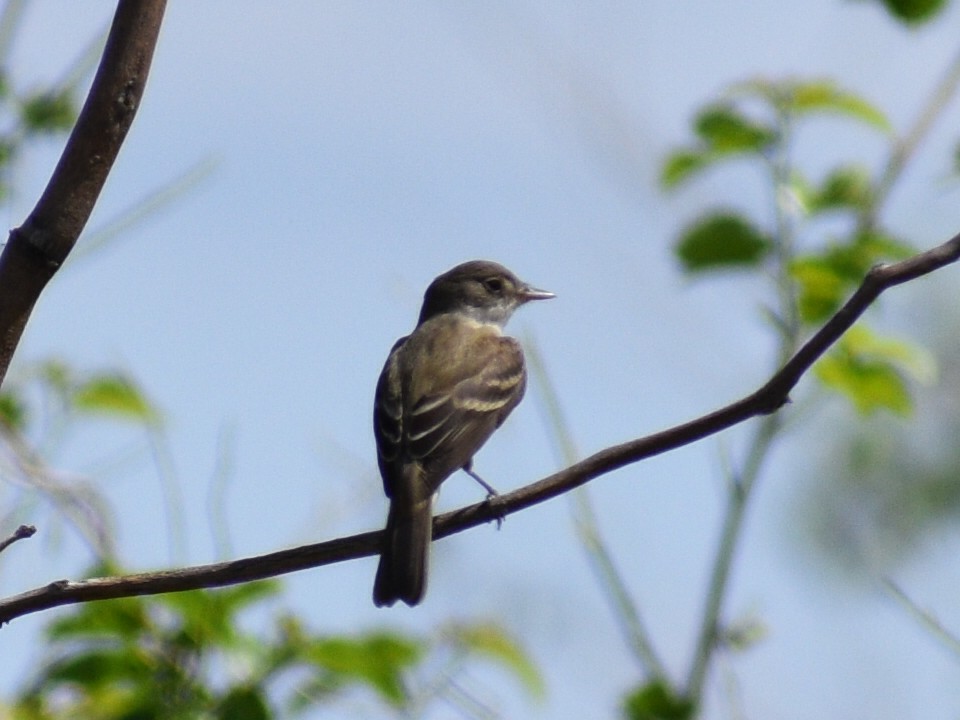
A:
(402, 573)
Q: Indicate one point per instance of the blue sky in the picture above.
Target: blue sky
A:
(358, 151)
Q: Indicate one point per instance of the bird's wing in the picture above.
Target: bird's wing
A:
(388, 418)
(472, 396)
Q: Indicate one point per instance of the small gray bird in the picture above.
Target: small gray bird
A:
(443, 391)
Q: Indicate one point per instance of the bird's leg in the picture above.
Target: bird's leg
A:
(468, 469)
(491, 492)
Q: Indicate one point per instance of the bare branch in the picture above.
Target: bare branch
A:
(768, 399)
(21, 533)
(36, 249)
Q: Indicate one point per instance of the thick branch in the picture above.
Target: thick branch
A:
(773, 395)
(36, 249)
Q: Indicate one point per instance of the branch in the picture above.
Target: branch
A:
(36, 249)
(21, 533)
(768, 399)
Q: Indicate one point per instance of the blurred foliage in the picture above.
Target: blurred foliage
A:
(721, 239)
(914, 12)
(882, 487)
(657, 701)
(872, 371)
(756, 121)
(189, 655)
(29, 116)
(43, 406)
(879, 492)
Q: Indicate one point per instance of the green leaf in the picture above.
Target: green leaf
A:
(48, 112)
(657, 701)
(870, 385)
(800, 98)
(742, 635)
(825, 279)
(57, 375)
(122, 618)
(845, 187)
(377, 660)
(823, 96)
(13, 410)
(871, 371)
(725, 130)
(208, 619)
(116, 395)
(244, 703)
(492, 642)
(721, 240)
(8, 149)
(914, 12)
(821, 288)
(97, 668)
(683, 165)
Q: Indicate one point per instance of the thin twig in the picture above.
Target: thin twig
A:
(907, 145)
(21, 533)
(625, 610)
(924, 617)
(743, 481)
(726, 550)
(769, 398)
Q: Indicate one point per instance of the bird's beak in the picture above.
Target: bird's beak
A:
(528, 293)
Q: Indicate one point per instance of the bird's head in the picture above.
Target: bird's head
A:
(485, 291)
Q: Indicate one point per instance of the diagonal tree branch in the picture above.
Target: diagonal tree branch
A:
(769, 398)
(36, 249)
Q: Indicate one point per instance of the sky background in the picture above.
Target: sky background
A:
(357, 151)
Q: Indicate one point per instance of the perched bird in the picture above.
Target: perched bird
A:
(443, 391)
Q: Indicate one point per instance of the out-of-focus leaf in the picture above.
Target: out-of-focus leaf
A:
(209, 618)
(870, 385)
(657, 701)
(823, 96)
(726, 130)
(683, 165)
(8, 150)
(377, 660)
(802, 191)
(914, 12)
(115, 395)
(845, 187)
(493, 643)
(57, 375)
(48, 112)
(96, 668)
(826, 278)
(821, 288)
(244, 703)
(721, 240)
(743, 635)
(13, 411)
(122, 618)
(871, 371)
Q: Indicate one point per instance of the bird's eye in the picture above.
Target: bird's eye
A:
(494, 284)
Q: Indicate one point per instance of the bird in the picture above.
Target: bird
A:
(442, 393)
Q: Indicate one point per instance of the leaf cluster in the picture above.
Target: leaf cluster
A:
(189, 655)
(755, 122)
